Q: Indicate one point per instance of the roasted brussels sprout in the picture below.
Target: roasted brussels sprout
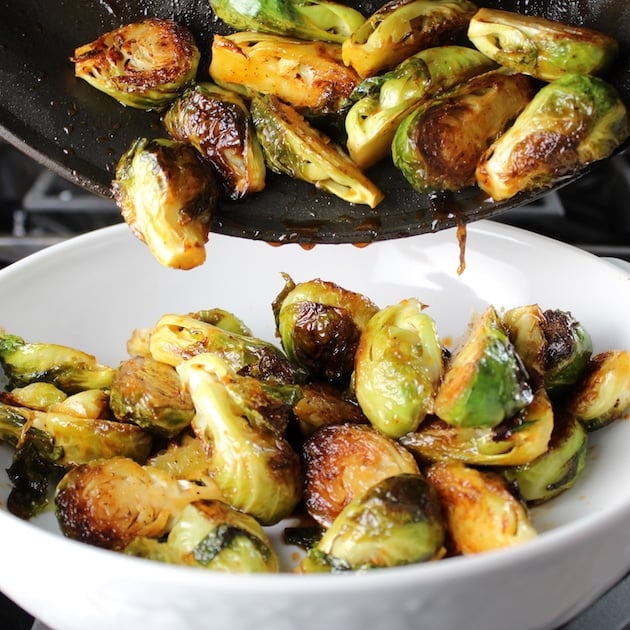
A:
(216, 122)
(183, 457)
(223, 319)
(144, 64)
(602, 394)
(342, 461)
(398, 367)
(380, 103)
(305, 19)
(90, 403)
(212, 535)
(398, 521)
(309, 76)
(485, 381)
(256, 469)
(438, 145)
(571, 122)
(319, 324)
(38, 395)
(167, 196)
(481, 514)
(295, 148)
(401, 28)
(542, 48)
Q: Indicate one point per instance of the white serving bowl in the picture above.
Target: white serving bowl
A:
(92, 291)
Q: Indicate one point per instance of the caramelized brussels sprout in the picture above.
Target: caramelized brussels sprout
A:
(602, 394)
(149, 393)
(319, 324)
(295, 148)
(223, 319)
(571, 122)
(485, 381)
(38, 395)
(380, 103)
(396, 522)
(401, 28)
(305, 19)
(342, 461)
(516, 441)
(216, 122)
(542, 48)
(144, 64)
(256, 469)
(183, 457)
(211, 535)
(90, 403)
(398, 367)
(310, 76)
(167, 196)
(481, 514)
(110, 502)
(438, 145)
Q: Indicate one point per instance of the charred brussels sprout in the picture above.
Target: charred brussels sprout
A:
(438, 145)
(216, 122)
(380, 103)
(396, 522)
(571, 122)
(542, 48)
(401, 28)
(485, 381)
(167, 196)
(295, 148)
(305, 19)
(398, 366)
(144, 65)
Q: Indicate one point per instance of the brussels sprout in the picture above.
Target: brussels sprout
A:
(398, 367)
(212, 535)
(543, 48)
(149, 393)
(602, 394)
(110, 502)
(309, 76)
(319, 324)
(437, 146)
(401, 28)
(38, 395)
(396, 522)
(216, 122)
(68, 369)
(342, 461)
(90, 403)
(223, 319)
(555, 470)
(516, 441)
(571, 122)
(481, 514)
(144, 64)
(256, 469)
(167, 196)
(380, 103)
(305, 19)
(295, 148)
(485, 381)
(183, 457)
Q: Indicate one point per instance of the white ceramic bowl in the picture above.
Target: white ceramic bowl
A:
(92, 291)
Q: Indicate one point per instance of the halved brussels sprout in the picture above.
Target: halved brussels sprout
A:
(183, 457)
(438, 145)
(398, 521)
(381, 102)
(167, 196)
(320, 20)
(485, 382)
(90, 403)
(144, 64)
(295, 148)
(481, 513)
(216, 122)
(221, 318)
(401, 28)
(38, 395)
(571, 122)
(542, 48)
(398, 366)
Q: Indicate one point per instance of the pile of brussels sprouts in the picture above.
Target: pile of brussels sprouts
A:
(382, 446)
(454, 95)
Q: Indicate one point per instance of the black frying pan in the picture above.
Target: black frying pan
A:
(80, 133)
